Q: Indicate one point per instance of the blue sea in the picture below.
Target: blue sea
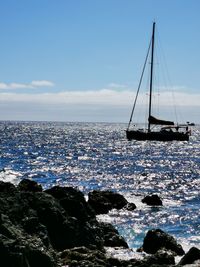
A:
(92, 156)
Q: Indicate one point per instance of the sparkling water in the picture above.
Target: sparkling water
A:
(92, 156)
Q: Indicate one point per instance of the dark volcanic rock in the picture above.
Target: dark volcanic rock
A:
(35, 225)
(7, 187)
(72, 201)
(29, 185)
(57, 227)
(20, 250)
(64, 231)
(103, 201)
(160, 258)
(82, 256)
(112, 237)
(153, 200)
(190, 257)
(157, 239)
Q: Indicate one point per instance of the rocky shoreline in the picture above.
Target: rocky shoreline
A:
(58, 228)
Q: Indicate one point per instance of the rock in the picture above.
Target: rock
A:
(103, 201)
(111, 236)
(18, 249)
(82, 256)
(190, 257)
(36, 257)
(160, 258)
(32, 226)
(29, 253)
(72, 201)
(115, 240)
(29, 185)
(57, 227)
(51, 217)
(7, 187)
(157, 239)
(153, 200)
(64, 231)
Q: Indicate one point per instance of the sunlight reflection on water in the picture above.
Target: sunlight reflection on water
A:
(97, 156)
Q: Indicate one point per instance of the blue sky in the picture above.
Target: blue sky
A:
(80, 60)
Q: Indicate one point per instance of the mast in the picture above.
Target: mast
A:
(133, 109)
(151, 76)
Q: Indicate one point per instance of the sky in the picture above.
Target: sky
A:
(81, 60)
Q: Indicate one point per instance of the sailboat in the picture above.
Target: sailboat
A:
(167, 130)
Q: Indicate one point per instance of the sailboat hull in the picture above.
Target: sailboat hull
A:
(156, 136)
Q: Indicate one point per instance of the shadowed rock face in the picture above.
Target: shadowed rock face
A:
(30, 186)
(111, 236)
(81, 257)
(72, 201)
(35, 225)
(103, 201)
(160, 258)
(191, 256)
(157, 239)
(152, 200)
(57, 227)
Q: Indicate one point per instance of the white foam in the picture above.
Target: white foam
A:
(7, 175)
(123, 254)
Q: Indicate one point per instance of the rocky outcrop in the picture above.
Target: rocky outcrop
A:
(112, 237)
(81, 257)
(30, 186)
(191, 256)
(152, 200)
(18, 249)
(58, 227)
(104, 201)
(156, 240)
(73, 202)
(36, 224)
(160, 258)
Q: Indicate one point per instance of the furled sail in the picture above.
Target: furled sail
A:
(153, 120)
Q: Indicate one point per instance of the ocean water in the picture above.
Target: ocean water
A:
(92, 156)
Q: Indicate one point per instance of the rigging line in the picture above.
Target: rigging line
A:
(167, 78)
(157, 83)
(139, 85)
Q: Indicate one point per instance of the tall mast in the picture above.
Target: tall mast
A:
(151, 76)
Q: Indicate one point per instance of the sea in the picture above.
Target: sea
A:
(97, 156)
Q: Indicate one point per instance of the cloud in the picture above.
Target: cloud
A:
(103, 97)
(92, 105)
(117, 86)
(42, 83)
(31, 85)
